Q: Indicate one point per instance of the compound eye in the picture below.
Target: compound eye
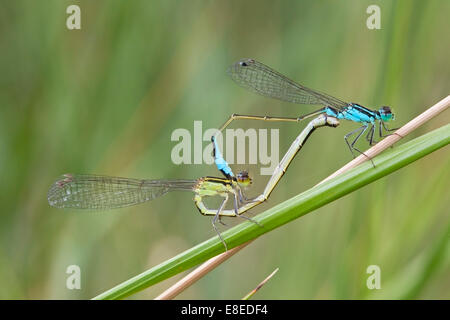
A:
(386, 110)
(243, 177)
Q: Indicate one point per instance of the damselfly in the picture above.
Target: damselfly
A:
(97, 192)
(265, 81)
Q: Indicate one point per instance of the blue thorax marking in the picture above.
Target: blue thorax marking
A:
(333, 113)
(220, 162)
(353, 112)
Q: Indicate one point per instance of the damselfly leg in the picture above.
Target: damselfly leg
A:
(382, 126)
(214, 220)
(352, 147)
(370, 133)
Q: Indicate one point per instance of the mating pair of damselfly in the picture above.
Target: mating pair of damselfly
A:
(104, 192)
(96, 192)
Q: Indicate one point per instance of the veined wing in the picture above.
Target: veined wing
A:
(85, 191)
(259, 78)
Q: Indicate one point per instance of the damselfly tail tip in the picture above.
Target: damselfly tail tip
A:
(333, 122)
(327, 121)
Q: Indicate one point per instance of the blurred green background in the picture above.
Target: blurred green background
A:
(105, 99)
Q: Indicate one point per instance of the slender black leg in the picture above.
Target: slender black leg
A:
(386, 128)
(236, 210)
(242, 198)
(357, 138)
(236, 206)
(380, 129)
(221, 222)
(350, 134)
(352, 145)
(214, 220)
(370, 134)
(383, 126)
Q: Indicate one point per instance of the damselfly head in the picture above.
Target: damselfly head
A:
(386, 113)
(243, 178)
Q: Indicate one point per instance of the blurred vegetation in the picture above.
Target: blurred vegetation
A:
(105, 99)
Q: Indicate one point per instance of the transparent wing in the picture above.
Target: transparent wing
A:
(84, 191)
(259, 78)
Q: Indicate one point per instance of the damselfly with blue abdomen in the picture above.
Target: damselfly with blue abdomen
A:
(259, 78)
